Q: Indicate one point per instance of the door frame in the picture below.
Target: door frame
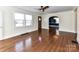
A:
(39, 21)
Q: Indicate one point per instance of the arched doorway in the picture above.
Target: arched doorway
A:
(54, 24)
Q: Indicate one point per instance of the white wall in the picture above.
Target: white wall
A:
(67, 21)
(9, 27)
(78, 25)
(1, 25)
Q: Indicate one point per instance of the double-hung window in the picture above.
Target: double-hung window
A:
(19, 19)
(22, 20)
(28, 19)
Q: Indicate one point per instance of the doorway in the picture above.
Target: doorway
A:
(39, 23)
(54, 25)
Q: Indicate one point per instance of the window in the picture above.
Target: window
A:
(23, 20)
(19, 19)
(28, 19)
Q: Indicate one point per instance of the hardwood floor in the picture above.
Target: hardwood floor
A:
(44, 41)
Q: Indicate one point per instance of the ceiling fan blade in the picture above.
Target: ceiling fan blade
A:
(46, 7)
(40, 8)
(43, 8)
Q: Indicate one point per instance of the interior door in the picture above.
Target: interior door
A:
(39, 23)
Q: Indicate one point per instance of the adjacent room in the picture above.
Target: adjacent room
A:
(39, 29)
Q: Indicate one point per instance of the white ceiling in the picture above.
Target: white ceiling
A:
(51, 9)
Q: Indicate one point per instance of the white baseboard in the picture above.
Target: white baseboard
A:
(16, 34)
(68, 31)
(63, 30)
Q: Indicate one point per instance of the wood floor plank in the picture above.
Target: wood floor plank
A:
(43, 41)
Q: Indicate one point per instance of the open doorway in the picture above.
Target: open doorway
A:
(54, 25)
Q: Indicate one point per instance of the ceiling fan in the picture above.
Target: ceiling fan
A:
(43, 8)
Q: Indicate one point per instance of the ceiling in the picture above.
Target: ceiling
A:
(51, 9)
